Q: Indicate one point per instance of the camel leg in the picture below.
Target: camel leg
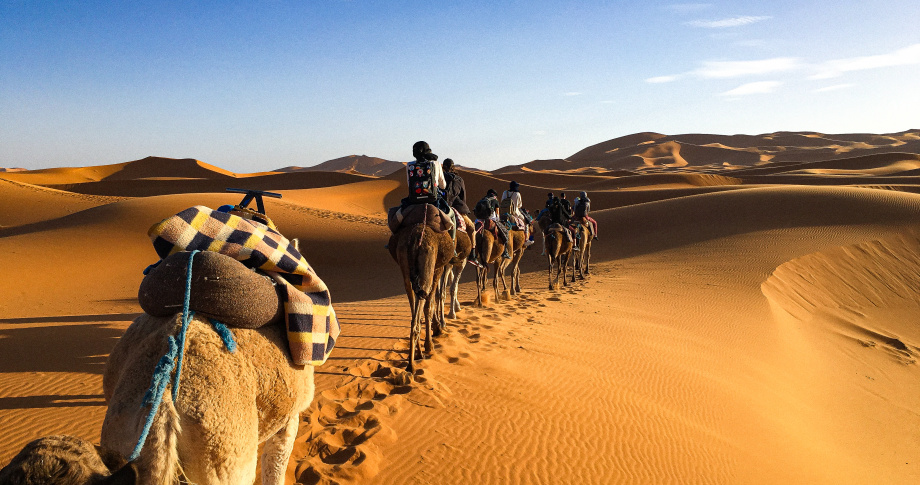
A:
(550, 260)
(439, 304)
(455, 291)
(495, 268)
(448, 288)
(564, 267)
(414, 333)
(277, 451)
(587, 257)
(516, 278)
(429, 316)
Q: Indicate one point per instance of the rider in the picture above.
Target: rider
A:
(566, 209)
(487, 208)
(425, 176)
(582, 208)
(515, 204)
(455, 196)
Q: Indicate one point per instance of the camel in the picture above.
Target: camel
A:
(227, 404)
(489, 251)
(422, 253)
(517, 242)
(558, 253)
(584, 235)
(451, 278)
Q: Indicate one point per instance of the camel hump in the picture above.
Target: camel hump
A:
(222, 288)
(411, 215)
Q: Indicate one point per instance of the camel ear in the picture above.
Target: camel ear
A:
(126, 475)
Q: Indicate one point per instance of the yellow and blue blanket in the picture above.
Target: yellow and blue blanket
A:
(312, 327)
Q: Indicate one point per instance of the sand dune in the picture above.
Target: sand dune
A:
(22, 203)
(735, 328)
(360, 164)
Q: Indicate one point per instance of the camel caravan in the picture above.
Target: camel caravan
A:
(433, 239)
(231, 296)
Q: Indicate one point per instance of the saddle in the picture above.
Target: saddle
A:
(311, 324)
(490, 226)
(411, 215)
(556, 227)
(514, 223)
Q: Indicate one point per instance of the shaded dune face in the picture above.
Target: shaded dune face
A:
(857, 292)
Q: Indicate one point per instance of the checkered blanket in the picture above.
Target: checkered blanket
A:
(312, 327)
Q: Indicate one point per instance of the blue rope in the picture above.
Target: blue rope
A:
(186, 318)
(173, 358)
(224, 334)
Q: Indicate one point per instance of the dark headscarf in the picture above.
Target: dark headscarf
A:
(513, 186)
(448, 165)
(421, 151)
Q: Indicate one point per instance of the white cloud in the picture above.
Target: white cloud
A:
(729, 69)
(572, 93)
(835, 87)
(901, 57)
(663, 79)
(729, 22)
(751, 43)
(688, 7)
(759, 87)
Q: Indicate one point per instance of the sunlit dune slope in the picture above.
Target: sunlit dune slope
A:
(361, 164)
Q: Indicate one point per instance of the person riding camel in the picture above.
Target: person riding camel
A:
(425, 177)
(566, 210)
(511, 204)
(455, 197)
(487, 209)
(581, 210)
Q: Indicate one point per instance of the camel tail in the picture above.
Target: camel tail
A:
(159, 460)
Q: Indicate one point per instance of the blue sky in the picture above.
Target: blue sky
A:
(257, 85)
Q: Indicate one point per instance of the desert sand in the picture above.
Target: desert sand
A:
(751, 316)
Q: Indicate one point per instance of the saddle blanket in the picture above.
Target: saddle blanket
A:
(312, 327)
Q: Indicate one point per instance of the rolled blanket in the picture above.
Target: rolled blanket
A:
(312, 326)
(222, 288)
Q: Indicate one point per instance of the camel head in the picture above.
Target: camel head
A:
(66, 460)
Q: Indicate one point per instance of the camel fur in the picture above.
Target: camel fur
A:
(422, 255)
(451, 278)
(558, 254)
(489, 252)
(517, 241)
(584, 235)
(227, 404)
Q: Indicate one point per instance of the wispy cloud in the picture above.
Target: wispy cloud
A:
(759, 87)
(685, 8)
(728, 22)
(572, 93)
(835, 87)
(901, 57)
(751, 43)
(729, 69)
(663, 79)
